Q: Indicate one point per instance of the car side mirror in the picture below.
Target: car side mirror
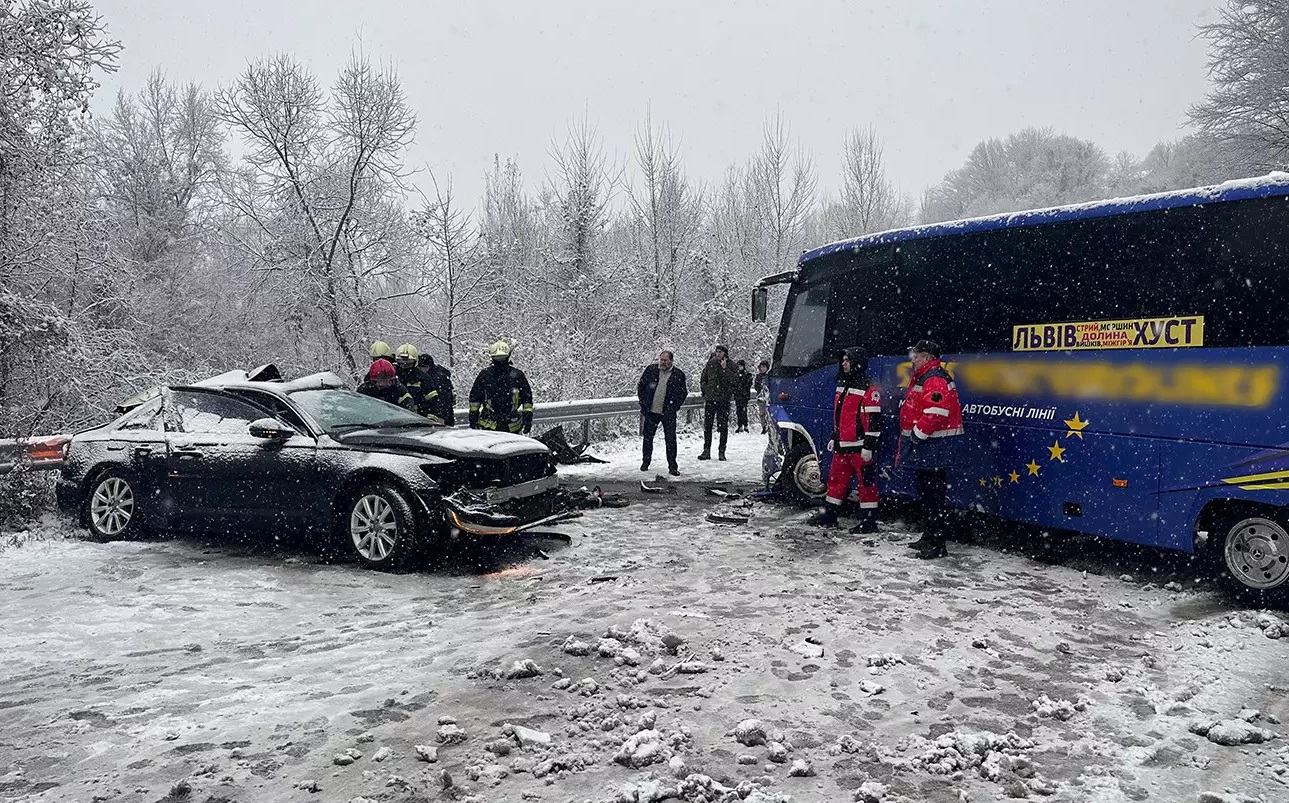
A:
(270, 429)
(760, 298)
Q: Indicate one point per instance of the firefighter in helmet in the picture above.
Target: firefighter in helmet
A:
(501, 397)
(380, 350)
(405, 357)
(382, 383)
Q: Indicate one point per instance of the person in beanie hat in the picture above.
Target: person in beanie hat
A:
(857, 428)
(930, 431)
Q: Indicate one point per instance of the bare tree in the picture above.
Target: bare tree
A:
(324, 181)
(1247, 112)
(581, 187)
(666, 213)
(780, 187)
(52, 53)
(459, 283)
(869, 202)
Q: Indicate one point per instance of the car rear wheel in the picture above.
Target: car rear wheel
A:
(1254, 557)
(380, 526)
(113, 506)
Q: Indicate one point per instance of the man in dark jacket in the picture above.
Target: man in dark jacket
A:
(437, 398)
(382, 383)
(717, 382)
(742, 393)
(501, 397)
(661, 391)
(759, 391)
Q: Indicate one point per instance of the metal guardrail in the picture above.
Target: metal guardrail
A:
(46, 452)
(590, 409)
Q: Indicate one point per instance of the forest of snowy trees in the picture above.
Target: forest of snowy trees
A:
(135, 247)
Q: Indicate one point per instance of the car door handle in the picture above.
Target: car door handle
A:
(144, 450)
(188, 454)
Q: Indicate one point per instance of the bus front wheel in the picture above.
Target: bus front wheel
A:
(802, 479)
(1253, 551)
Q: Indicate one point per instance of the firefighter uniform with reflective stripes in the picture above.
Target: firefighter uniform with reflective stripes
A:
(501, 399)
(857, 429)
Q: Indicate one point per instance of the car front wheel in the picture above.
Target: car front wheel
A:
(113, 506)
(380, 526)
(1254, 555)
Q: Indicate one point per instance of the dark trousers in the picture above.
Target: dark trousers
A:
(740, 407)
(932, 487)
(651, 422)
(718, 412)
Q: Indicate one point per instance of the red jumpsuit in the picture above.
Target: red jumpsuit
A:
(857, 427)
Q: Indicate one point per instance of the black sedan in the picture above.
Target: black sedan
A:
(233, 454)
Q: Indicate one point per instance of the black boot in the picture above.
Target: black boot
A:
(705, 456)
(922, 543)
(826, 517)
(932, 552)
(867, 523)
(722, 456)
(644, 466)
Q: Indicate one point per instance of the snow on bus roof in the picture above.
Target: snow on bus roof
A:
(1268, 186)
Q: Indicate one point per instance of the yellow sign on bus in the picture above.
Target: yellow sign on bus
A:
(1133, 333)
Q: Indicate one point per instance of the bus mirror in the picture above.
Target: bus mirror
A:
(759, 300)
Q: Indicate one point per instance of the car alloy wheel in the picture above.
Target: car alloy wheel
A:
(112, 506)
(373, 528)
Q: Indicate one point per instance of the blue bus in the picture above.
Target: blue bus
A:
(1121, 366)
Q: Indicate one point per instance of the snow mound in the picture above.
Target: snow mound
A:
(1231, 732)
(1047, 708)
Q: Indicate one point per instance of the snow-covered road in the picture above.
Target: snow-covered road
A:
(184, 670)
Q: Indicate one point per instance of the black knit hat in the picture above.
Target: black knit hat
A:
(927, 347)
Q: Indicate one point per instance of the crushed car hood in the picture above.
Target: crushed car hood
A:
(446, 441)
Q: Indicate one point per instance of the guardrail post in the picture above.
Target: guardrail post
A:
(586, 430)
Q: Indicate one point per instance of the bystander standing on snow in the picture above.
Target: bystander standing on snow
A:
(662, 391)
(717, 382)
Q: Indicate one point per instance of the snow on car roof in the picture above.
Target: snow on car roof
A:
(319, 381)
(1268, 186)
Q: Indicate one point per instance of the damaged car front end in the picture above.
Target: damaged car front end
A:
(241, 454)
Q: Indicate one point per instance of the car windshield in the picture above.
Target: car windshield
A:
(336, 409)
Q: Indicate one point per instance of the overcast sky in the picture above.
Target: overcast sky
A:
(934, 78)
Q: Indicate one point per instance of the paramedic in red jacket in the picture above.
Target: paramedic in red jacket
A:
(857, 427)
(930, 431)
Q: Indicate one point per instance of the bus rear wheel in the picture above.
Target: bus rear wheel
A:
(802, 479)
(1253, 550)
